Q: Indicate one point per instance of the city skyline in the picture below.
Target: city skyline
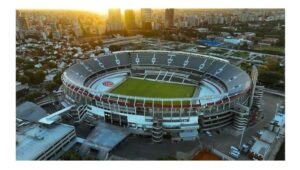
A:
(105, 12)
(193, 16)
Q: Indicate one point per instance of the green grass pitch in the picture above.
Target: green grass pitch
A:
(154, 89)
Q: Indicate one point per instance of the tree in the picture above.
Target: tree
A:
(85, 46)
(28, 66)
(50, 35)
(246, 66)
(71, 155)
(19, 61)
(57, 78)
(115, 48)
(28, 73)
(38, 77)
(51, 64)
(271, 73)
(52, 86)
(96, 43)
(271, 78)
(23, 79)
(32, 96)
(281, 40)
(121, 32)
(244, 46)
(169, 38)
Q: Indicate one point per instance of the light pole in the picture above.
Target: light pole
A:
(242, 137)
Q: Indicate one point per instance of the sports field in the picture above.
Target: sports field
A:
(154, 89)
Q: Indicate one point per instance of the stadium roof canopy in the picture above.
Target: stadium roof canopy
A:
(105, 137)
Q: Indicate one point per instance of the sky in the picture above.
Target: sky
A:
(98, 6)
(102, 6)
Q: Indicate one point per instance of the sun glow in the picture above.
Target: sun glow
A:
(102, 6)
(97, 6)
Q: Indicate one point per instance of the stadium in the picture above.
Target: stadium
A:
(161, 93)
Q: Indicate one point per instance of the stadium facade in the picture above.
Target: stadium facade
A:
(222, 94)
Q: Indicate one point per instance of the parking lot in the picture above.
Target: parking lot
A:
(227, 138)
(140, 148)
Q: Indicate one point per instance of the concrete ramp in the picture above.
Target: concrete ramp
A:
(50, 119)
